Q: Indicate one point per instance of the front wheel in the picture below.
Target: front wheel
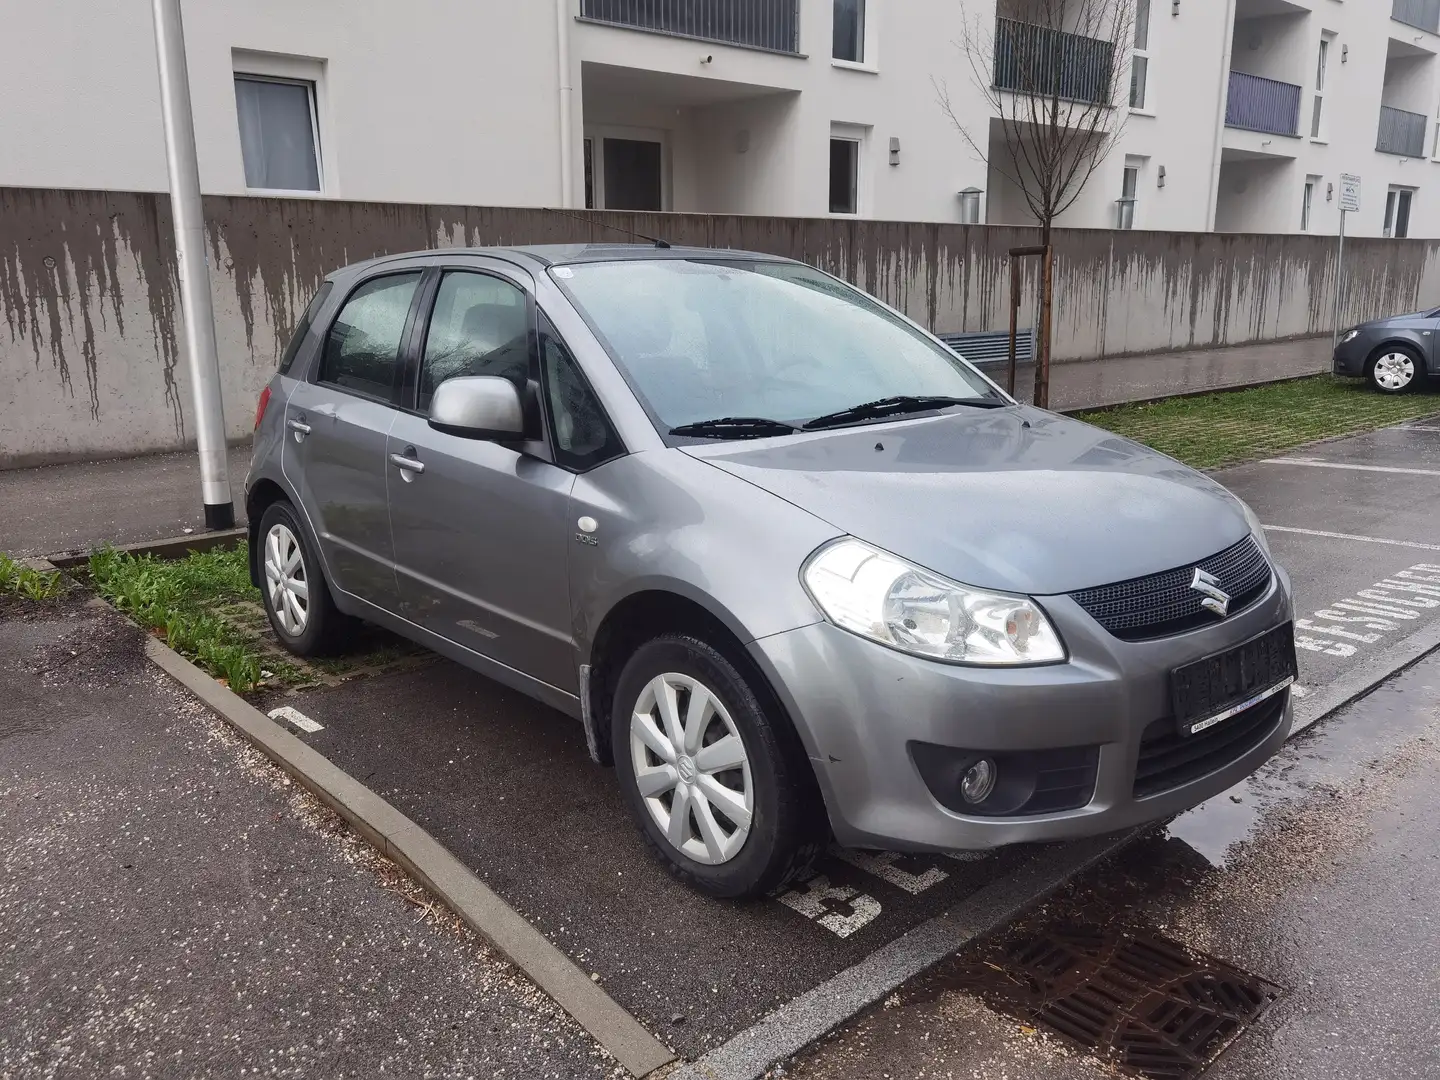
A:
(1394, 371)
(715, 784)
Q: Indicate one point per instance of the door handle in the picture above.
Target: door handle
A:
(409, 464)
(299, 427)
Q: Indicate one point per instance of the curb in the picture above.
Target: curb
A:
(173, 547)
(422, 857)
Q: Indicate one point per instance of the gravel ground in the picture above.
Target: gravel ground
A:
(170, 905)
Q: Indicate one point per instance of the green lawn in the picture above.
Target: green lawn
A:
(1222, 429)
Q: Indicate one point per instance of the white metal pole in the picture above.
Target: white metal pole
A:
(200, 352)
(1339, 274)
(567, 155)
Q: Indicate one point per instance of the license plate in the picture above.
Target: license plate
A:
(1212, 690)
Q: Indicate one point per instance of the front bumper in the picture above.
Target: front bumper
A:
(1350, 356)
(859, 707)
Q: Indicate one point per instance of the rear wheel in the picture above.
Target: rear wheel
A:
(714, 783)
(293, 587)
(1394, 370)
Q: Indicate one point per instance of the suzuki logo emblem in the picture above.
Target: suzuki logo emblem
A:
(1217, 600)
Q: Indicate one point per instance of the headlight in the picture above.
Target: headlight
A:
(1256, 528)
(878, 596)
(1349, 335)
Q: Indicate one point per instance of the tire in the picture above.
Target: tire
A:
(308, 624)
(1394, 369)
(785, 832)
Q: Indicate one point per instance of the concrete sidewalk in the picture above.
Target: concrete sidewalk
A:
(65, 507)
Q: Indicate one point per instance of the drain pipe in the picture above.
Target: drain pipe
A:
(1221, 100)
(567, 157)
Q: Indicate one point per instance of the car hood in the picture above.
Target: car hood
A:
(1015, 499)
(1392, 320)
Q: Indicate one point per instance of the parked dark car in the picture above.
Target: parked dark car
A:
(1394, 353)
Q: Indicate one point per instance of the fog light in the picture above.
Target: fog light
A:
(978, 781)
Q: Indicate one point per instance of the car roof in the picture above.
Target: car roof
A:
(545, 255)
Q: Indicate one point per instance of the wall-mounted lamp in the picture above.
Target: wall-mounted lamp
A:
(970, 206)
(894, 150)
(1329, 192)
(706, 59)
(1160, 176)
(1344, 54)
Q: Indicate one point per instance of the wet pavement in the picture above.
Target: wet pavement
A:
(171, 906)
(1320, 874)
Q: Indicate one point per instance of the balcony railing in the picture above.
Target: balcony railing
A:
(756, 24)
(1401, 133)
(1421, 14)
(1257, 104)
(1032, 59)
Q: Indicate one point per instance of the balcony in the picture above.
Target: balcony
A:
(1037, 60)
(1264, 105)
(772, 25)
(1401, 133)
(1421, 14)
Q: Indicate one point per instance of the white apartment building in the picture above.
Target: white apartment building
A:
(1241, 114)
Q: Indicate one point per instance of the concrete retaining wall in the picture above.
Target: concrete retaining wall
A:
(90, 366)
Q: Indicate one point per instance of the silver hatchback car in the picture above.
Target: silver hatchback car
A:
(797, 568)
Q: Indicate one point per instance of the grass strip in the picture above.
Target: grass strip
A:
(174, 599)
(17, 579)
(1226, 428)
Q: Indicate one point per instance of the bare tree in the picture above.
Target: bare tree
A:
(1052, 74)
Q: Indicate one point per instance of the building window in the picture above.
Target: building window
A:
(1397, 212)
(625, 169)
(1125, 205)
(1140, 58)
(589, 174)
(1307, 203)
(844, 176)
(279, 138)
(849, 35)
(1318, 111)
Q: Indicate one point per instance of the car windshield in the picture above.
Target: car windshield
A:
(702, 340)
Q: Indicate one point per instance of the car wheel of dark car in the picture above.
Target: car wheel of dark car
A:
(717, 787)
(293, 588)
(1394, 369)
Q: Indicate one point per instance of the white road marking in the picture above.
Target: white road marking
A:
(839, 908)
(1418, 427)
(296, 717)
(882, 865)
(1371, 613)
(1318, 464)
(1353, 536)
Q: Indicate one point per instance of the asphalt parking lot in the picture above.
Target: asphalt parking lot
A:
(506, 785)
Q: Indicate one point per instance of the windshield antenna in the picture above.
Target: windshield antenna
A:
(606, 225)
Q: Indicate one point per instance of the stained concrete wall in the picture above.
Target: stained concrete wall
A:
(90, 366)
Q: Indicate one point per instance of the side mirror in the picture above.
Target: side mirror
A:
(478, 407)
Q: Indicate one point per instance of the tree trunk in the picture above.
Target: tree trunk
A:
(1047, 291)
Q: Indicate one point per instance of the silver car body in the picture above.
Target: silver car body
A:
(484, 557)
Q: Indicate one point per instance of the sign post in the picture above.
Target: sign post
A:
(1349, 204)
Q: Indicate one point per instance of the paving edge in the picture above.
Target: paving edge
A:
(171, 547)
(423, 857)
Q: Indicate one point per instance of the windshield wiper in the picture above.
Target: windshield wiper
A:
(896, 406)
(735, 427)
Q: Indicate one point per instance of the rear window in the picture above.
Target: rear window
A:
(303, 327)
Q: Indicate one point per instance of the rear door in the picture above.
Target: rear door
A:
(482, 530)
(336, 424)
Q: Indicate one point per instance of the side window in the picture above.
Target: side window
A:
(303, 327)
(582, 433)
(480, 326)
(362, 350)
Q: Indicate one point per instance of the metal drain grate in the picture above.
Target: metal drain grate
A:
(1147, 1005)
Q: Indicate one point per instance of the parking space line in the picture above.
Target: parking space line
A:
(1318, 464)
(1353, 536)
(296, 717)
(1419, 427)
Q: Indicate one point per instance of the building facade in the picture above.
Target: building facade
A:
(1241, 114)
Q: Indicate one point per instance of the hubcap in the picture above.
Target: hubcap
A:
(286, 583)
(1394, 371)
(691, 768)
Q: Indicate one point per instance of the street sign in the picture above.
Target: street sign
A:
(1349, 193)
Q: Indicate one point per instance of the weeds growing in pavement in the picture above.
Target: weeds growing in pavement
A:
(172, 598)
(17, 579)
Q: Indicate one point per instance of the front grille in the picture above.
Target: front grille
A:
(1163, 604)
(1169, 759)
